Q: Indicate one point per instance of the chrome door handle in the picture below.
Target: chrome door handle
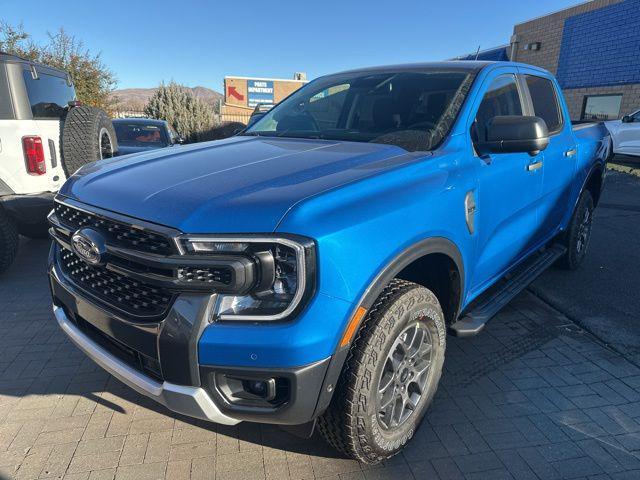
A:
(532, 167)
(571, 152)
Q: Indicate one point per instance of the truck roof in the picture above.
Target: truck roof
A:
(139, 120)
(10, 58)
(471, 66)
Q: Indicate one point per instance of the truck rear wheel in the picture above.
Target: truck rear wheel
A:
(9, 241)
(390, 375)
(578, 234)
(88, 135)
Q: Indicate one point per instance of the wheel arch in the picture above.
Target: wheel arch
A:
(594, 182)
(410, 264)
(413, 264)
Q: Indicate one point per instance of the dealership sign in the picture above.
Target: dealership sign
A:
(248, 92)
(260, 92)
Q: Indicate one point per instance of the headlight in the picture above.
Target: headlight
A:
(284, 274)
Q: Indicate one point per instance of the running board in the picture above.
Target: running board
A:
(481, 310)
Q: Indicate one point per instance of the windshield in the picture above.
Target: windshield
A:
(414, 110)
(140, 135)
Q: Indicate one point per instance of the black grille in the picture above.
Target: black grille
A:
(116, 233)
(137, 360)
(205, 275)
(124, 293)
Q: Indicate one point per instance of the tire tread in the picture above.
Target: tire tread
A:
(9, 241)
(336, 424)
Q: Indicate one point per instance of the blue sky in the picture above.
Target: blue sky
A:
(198, 43)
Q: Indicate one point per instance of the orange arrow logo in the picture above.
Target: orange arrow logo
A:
(232, 92)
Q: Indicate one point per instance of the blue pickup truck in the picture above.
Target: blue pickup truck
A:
(306, 272)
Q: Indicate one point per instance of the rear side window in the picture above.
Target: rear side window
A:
(48, 94)
(502, 98)
(545, 102)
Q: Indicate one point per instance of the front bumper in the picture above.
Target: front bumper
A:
(182, 381)
(190, 401)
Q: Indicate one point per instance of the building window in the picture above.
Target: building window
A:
(601, 107)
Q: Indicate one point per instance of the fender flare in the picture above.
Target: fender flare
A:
(599, 165)
(440, 245)
(418, 250)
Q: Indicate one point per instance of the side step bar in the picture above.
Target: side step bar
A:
(481, 310)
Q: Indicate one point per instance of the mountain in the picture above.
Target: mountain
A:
(136, 98)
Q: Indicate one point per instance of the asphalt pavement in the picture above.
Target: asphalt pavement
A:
(602, 295)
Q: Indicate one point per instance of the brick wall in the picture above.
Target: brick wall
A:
(548, 31)
(589, 47)
(601, 47)
(630, 98)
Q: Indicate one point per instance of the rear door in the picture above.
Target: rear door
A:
(509, 186)
(559, 158)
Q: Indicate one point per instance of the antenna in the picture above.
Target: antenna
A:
(477, 52)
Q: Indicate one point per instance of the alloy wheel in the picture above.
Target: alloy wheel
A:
(404, 376)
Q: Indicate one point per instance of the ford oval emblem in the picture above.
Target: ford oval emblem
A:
(89, 245)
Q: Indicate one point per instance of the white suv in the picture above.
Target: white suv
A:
(625, 134)
(42, 141)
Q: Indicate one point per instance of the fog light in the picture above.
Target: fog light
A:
(264, 389)
(252, 391)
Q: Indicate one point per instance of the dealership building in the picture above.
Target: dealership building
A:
(594, 51)
(243, 94)
(592, 48)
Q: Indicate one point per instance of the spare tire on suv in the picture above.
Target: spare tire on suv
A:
(87, 135)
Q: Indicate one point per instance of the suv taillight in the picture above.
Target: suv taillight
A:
(34, 155)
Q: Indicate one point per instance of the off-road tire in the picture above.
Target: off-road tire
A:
(84, 138)
(573, 238)
(9, 241)
(351, 423)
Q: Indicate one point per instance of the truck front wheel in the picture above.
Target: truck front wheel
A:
(390, 375)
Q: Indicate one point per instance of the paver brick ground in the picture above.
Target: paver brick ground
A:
(532, 397)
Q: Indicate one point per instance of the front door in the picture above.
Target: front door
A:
(509, 188)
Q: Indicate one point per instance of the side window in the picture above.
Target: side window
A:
(502, 98)
(545, 102)
(636, 116)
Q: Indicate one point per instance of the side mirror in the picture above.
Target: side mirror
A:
(515, 133)
(178, 140)
(254, 118)
(627, 119)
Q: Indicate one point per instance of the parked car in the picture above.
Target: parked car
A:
(143, 134)
(259, 112)
(45, 136)
(625, 134)
(306, 272)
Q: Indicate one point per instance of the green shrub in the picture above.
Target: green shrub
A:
(223, 130)
(188, 115)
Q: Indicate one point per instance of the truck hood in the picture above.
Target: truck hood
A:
(237, 185)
